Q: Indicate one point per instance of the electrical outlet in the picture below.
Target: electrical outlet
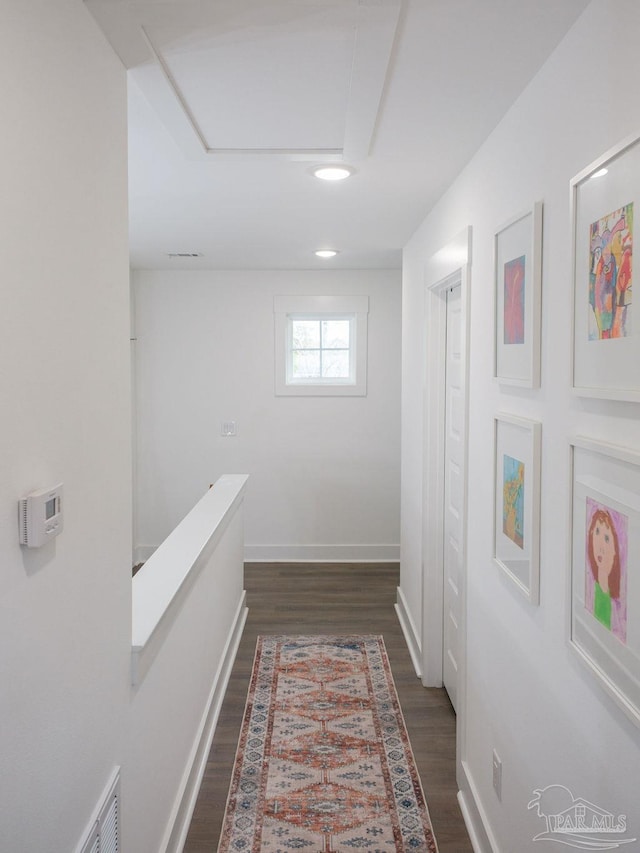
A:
(228, 429)
(497, 775)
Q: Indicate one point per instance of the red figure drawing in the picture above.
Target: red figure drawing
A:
(514, 301)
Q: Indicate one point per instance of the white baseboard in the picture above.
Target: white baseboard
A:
(178, 826)
(475, 817)
(410, 633)
(322, 553)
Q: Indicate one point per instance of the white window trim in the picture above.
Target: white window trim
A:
(326, 306)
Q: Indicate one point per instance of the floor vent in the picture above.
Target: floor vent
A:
(104, 833)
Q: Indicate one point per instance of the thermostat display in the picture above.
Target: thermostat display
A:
(40, 516)
(50, 508)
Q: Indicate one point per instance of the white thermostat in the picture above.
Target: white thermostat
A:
(40, 516)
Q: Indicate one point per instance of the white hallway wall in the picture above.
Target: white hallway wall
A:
(325, 471)
(65, 610)
(527, 696)
(68, 712)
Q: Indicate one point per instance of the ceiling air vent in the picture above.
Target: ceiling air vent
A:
(184, 254)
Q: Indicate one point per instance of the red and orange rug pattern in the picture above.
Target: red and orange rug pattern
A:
(324, 763)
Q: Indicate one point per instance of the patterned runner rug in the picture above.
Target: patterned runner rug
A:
(324, 763)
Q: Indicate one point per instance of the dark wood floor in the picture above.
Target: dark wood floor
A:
(334, 599)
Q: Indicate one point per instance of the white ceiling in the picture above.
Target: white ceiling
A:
(231, 103)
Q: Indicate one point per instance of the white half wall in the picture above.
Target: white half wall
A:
(325, 471)
(188, 616)
(65, 609)
(528, 697)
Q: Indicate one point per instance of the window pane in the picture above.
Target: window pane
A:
(335, 364)
(335, 334)
(306, 334)
(305, 364)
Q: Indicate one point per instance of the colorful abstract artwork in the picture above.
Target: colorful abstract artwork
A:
(513, 500)
(514, 301)
(606, 549)
(610, 254)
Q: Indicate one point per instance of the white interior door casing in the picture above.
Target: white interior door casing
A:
(447, 268)
(453, 515)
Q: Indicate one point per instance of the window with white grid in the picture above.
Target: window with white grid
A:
(321, 345)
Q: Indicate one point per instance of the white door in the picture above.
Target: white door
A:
(453, 492)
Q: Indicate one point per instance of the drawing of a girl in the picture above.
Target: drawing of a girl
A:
(603, 555)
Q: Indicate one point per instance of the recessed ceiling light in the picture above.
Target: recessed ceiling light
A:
(600, 173)
(326, 253)
(333, 173)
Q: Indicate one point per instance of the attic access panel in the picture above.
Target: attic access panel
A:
(293, 78)
(280, 80)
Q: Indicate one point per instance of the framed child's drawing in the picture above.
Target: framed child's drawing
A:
(517, 502)
(518, 284)
(605, 199)
(605, 567)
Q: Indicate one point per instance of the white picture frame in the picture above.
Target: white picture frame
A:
(605, 527)
(606, 333)
(518, 299)
(516, 522)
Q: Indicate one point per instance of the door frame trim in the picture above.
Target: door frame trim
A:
(452, 284)
(450, 264)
